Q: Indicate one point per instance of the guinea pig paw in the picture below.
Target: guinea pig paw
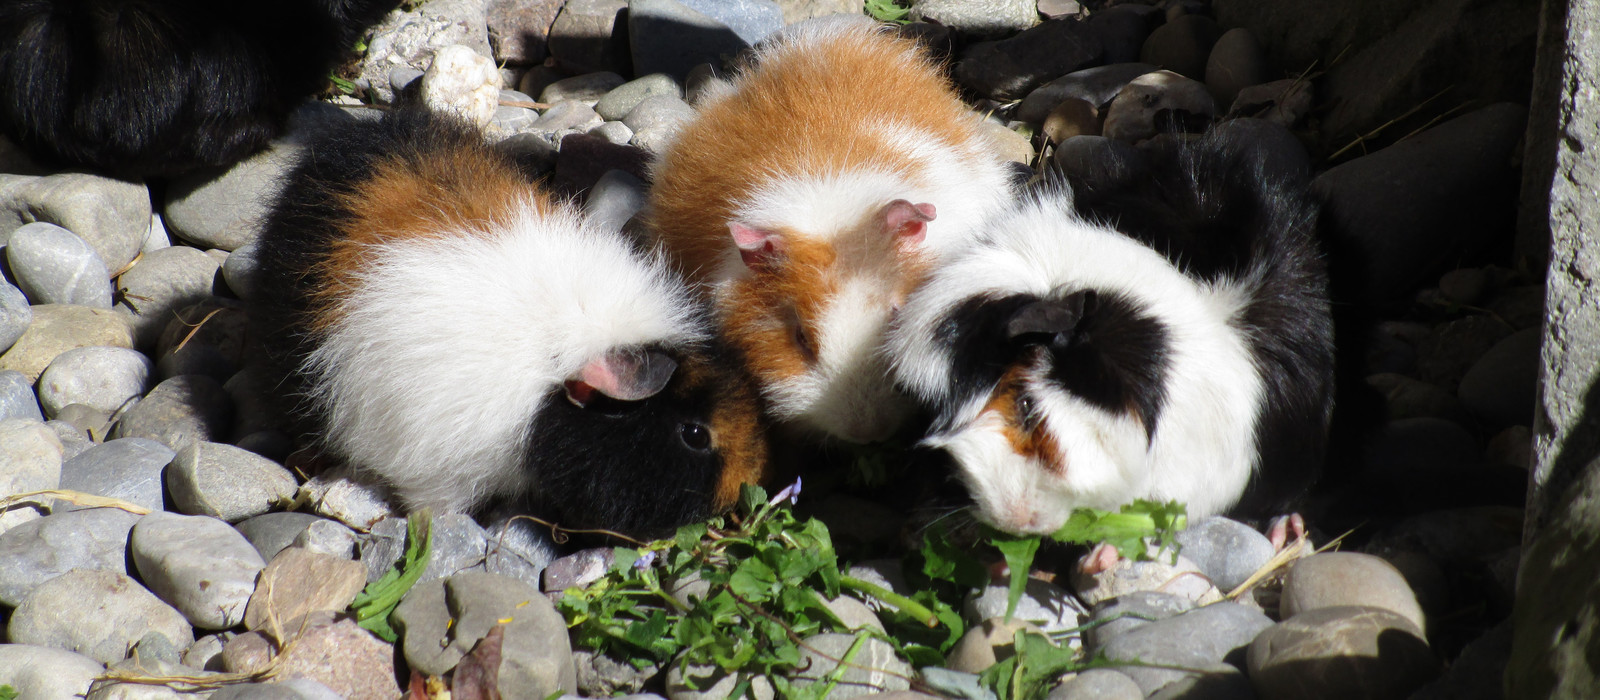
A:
(1103, 557)
(1283, 528)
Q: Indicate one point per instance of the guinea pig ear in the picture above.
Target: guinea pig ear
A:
(906, 221)
(1046, 319)
(757, 246)
(625, 374)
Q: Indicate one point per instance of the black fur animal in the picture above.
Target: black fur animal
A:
(1160, 332)
(461, 336)
(157, 87)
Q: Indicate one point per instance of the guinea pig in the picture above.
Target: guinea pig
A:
(460, 336)
(157, 87)
(813, 190)
(1161, 335)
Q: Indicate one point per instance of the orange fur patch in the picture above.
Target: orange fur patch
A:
(463, 189)
(813, 112)
(1035, 442)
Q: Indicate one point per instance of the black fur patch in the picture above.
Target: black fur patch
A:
(1212, 209)
(157, 87)
(1115, 359)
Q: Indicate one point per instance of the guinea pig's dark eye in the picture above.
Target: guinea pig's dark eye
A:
(802, 340)
(1027, 412)
(694, 436)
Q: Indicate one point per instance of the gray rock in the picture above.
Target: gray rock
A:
(601, 676)
(129, 469)
(463, 82)
(1499, 388)
(518, 28)
(112, 216)
(15, 315)
(252, 390)
(801, 10)
(411, 39)
(587, 36)
(179, 411)
(1478, 674)
(1203, 638)
(142, 665)
(1405, 397)
(157, 238)
(206, 652)
(1512, 447)
(654, 139)
(711, 683)
(291, 689)
(1177, 576)
(102, 378)
(1283, 102)
(510, 120)
(44, 672)
(566, 115)
(163, 282)
(196, 358)
(298, 583)
(1222, 682)
(1341, 652)
(1182, 45)
(1426, 202)
(1098, 684)
(225, 208)
(1473, 534)
(956, 684)
(1236, 62)
(534, 154)
(403, 77)
(853, 613)
(1467, 285)
(57, 328)
(347, 660)
(986, 643)
(17, 397)
(226, 482)
(587, 89)
(30, 460)
(985, 18)
(615, 132)
(270, 533)
(536, 656)
(75, 440)
(1154, 103)
(54, 266)
(1271, 145)
(577, 570)
(94, 539)
(669, 36)
(658, 111)
(328, 538)
(622, 99)
(334, 495)
(1449, 349)
(275, 445)
(459, 544)
(199, 565)
(1095, 160)
(584, 158)
(877, 668)
(1522, 307)
(1047, 605)
(1012, 68)
(1226, 550)
(1096, 86)
(1333, 579)
(100, 614)
(1132, 610)
(1123, 29)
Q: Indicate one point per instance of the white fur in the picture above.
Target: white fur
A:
(1203, 451)
(445, 347)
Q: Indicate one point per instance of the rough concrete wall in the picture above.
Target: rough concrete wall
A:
(1556, 644)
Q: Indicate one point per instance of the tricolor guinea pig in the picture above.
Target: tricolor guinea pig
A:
(157, 87)
(462, 337)
(1162, 335)
(813, 190)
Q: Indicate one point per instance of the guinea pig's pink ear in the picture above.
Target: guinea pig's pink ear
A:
(906, 221)
(1046, 319)
(757, 246)
(625, 374)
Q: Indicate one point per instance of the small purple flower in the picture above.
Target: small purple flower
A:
(645, 560)
(790, 493)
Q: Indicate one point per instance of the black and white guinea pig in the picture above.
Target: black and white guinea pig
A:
(157, 87)
(462, 337)
(1164, 335)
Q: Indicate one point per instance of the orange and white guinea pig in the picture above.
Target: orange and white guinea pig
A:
(814, 190)
(467, 340)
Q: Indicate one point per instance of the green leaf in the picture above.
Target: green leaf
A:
(374, 603)
(943, 561)
(886, 11)
(689, 536)
(1019, 558)
(7, 692)
(751, 498)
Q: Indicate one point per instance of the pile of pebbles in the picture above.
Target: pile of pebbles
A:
(126, 372)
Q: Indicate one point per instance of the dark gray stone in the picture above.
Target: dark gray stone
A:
(1130, 611)
(37, 551)
(622, 99)
(982, 18)
(672, 37)
(587, 89)
(102, 378)
(17, 399)
(101, 614)
(1408, 210)
(271, 533)
(1122, 30)
(129, 469)
(518, 29)
(226, 482)
(1236, 62)
(54, 266)
(112, 216)
(1182, 45)
(180, 411)
(1010, 69)
(1095, 86)
(591, 35)
(1499, 388)
(1203, 638)
(198, 564)
(15, 314)
(1341, 652)
(1227, 551)
(1098, 684)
